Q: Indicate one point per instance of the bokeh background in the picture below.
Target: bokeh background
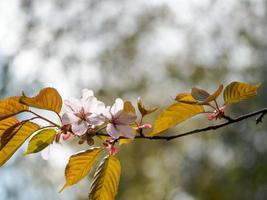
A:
(153, 49)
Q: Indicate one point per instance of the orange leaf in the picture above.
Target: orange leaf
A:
(48, 99)
(215, 94)
(80, 165)
(10, 107)
(17, 140)
(128, 107)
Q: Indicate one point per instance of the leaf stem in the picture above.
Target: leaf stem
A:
(43, 118)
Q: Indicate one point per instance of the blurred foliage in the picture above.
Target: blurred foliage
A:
(155, 50)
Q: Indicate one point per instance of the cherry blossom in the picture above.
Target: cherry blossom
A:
(83, 113)
(119, 120)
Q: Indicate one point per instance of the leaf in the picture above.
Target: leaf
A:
(185, 98)
(25, 131)
(8, 134)
(215, 95)
(79, 166)
(175, 114)
(10, 107)
(143, 110)
(237, 91)
(7, 123)
(203, 96)
(128, 107)
(199, 94)
(48, 99)
(41, 140)
(106, 179)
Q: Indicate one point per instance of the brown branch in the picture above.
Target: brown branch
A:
(261, 114)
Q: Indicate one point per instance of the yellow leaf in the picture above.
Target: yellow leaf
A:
(8, 134)
(186, 98)
(10, 107)
(106, 180)
(25, 131)
(7, 123)
(128, 107)
(237, 91)
(48, 99)
(79, 166)
(124, 141)
(175, 114)
(41, 140)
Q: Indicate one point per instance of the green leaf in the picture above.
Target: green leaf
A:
(175, 114)
(10, 107)
(41, 140)
(237, 91)
(25, 131)
(106, 179)
(79, 166)
(48, 99)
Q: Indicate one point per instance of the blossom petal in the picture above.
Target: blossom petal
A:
(87, 94)
(106, 112)
(69, 118)
(46, 152)
(73, 105)
(117, 106)
(98, 108)
(79, 128)
(65, 119)
(126, 130)
(96, 119)
(112, 131)
(49, 150)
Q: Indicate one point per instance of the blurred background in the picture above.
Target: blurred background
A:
(153, 49)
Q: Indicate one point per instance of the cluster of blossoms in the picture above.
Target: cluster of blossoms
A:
(87, 116)
(84, 115)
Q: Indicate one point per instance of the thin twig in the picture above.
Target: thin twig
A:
(261, 112)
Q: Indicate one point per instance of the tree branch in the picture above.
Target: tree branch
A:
(261, 114)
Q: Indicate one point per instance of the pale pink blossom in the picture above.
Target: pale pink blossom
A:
(45, 153)
(49, 150)
(83, 113)
(119, 120)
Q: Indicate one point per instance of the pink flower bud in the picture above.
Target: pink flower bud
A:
(145, 126)
(217, 114)
(66, 136)
(113, 150)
